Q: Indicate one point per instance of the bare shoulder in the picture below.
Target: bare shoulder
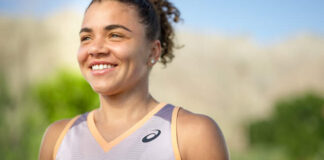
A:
(50, 137)
(199, 137)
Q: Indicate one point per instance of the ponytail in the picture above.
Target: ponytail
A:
(168, 13)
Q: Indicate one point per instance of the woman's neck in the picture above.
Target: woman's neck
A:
(128, 106)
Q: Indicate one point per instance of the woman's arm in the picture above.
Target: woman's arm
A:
(49, 139)
(199, 137)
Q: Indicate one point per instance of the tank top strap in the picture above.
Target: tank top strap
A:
(74, 121)
(174, 136)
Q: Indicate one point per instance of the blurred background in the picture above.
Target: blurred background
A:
(256, 67)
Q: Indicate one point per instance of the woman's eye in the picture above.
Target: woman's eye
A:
(85, 39)
(114, 35)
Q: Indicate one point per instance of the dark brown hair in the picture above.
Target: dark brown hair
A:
(157, 15)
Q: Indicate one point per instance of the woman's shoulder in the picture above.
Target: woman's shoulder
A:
(200, 137)
(55, 133)
(197, 124)
(50, 137)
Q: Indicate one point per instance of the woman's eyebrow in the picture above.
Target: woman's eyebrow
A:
(107, 28)
(85, 30)
(115, 26)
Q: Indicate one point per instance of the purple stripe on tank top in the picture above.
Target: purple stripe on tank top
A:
(81, 119)
(165, 112)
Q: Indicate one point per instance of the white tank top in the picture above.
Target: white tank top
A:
(151, 138)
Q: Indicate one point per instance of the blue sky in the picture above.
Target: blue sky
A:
(264, 20)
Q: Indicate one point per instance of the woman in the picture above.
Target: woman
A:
(121, 40)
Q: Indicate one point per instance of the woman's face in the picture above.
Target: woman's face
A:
(114, 54)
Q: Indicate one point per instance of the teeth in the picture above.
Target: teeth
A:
(101, 66)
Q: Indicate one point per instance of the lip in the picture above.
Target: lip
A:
(101, 62)
(102, 71)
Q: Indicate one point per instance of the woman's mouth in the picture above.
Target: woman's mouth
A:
(102, 68)
(97, 67)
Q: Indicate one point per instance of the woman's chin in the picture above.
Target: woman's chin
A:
(104, 90)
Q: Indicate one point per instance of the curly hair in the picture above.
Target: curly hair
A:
(157, 16)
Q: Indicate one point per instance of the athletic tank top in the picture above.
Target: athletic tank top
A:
(151, 138)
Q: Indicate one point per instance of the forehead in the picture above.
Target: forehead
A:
(110, 12)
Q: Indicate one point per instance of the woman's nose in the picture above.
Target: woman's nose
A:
(98, 48)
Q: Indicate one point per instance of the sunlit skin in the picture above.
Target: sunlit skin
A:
(111, 33)
(115, 37)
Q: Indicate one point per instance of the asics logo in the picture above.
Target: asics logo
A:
(150, 137)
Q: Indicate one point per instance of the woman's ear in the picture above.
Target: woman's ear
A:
(155, 52)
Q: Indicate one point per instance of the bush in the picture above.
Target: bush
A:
(65, 96)
(296, 126)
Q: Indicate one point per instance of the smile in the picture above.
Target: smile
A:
(102, 66)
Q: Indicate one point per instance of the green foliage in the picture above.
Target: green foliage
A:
(296, 127)
(23, 122)
(9, 141)
(260, 153)
(65, 96)
(5, 100)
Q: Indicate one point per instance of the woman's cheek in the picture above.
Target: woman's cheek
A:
(121, 52)
(82, 55)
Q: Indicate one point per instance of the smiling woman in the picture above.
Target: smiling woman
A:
(120, 41)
